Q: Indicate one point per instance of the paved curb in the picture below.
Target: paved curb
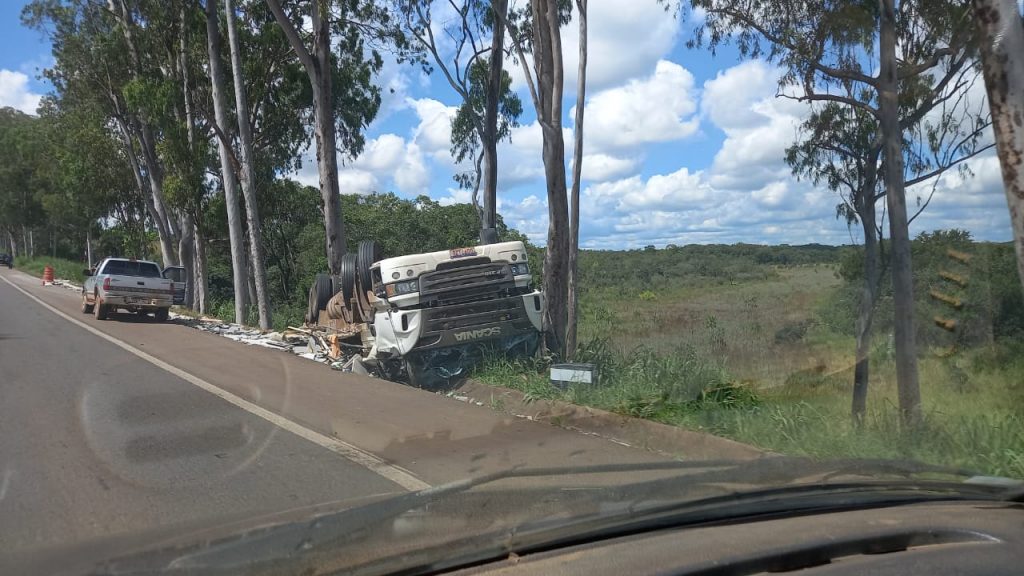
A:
(636, 432)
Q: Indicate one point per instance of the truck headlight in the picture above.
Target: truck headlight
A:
(519, 268)
(400, 288)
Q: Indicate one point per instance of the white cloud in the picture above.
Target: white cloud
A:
(355, 181)
(383, 153)
(758, 126)
(388, 157)
(15, 92)
(528, 215)
(456, 196)
(973, 202)
(519, 158)
(412, 176)
(658, 108)
(392, 162)
(624, 40)
(603, 167)
(728, 99)
(434, 131)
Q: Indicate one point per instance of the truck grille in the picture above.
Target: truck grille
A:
(466, 284)
(462, 316)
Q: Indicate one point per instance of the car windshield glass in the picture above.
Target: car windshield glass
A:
(131, 268)
(265, 261)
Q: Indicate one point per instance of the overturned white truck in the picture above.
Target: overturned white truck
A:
(426, 318)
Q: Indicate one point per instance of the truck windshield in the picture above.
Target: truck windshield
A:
(128, 268)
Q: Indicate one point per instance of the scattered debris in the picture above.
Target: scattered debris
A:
(65, 284)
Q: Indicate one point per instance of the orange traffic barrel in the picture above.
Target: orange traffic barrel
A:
(47, 275)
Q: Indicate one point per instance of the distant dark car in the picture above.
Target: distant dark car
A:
(6, 260)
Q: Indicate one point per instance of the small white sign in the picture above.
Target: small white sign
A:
(572, 375)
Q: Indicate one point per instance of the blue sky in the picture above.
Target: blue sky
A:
(680, 146)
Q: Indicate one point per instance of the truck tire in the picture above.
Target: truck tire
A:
(348, 277)
(319, 295)
(369, 252)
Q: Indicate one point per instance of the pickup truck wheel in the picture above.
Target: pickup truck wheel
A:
(86, 307)
(161, 314)
(99, 308)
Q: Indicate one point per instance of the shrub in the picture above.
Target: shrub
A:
(792, 332)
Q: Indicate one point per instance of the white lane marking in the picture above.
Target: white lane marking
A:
(399, 476)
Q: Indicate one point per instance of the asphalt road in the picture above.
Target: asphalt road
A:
(97, 440)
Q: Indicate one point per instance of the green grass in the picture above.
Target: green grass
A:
(753, 362)
(731, 322)
(65, 269)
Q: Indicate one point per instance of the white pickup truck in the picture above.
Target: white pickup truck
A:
(134, 285)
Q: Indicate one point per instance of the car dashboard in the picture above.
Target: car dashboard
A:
(936, 539)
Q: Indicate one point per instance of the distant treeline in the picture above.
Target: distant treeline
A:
(652, 268)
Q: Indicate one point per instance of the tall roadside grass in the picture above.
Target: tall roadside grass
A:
(65, 269)
(638, 383)
(972, 405)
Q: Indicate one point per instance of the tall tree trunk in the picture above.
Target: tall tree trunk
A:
(909, 391)
(490, 136)
(200, 302)
(24, 240)
(88, 247)
(236, 236)
(251, 286)
(866, 306)
(31, 245)
(572, 303)
(318, 68)
(248, 174)
(1002, 44)
(14, 244)
(327, 147)
(187, 250)
(547, 55)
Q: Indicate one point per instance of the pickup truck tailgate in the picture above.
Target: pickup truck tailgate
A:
(144, 289)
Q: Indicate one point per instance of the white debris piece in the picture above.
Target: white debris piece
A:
(65, 284)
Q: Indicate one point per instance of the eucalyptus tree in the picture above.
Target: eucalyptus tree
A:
(830, 53)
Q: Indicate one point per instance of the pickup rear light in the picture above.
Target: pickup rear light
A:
(106, 283)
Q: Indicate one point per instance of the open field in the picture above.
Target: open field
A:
(757, 328)
(751, 360)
